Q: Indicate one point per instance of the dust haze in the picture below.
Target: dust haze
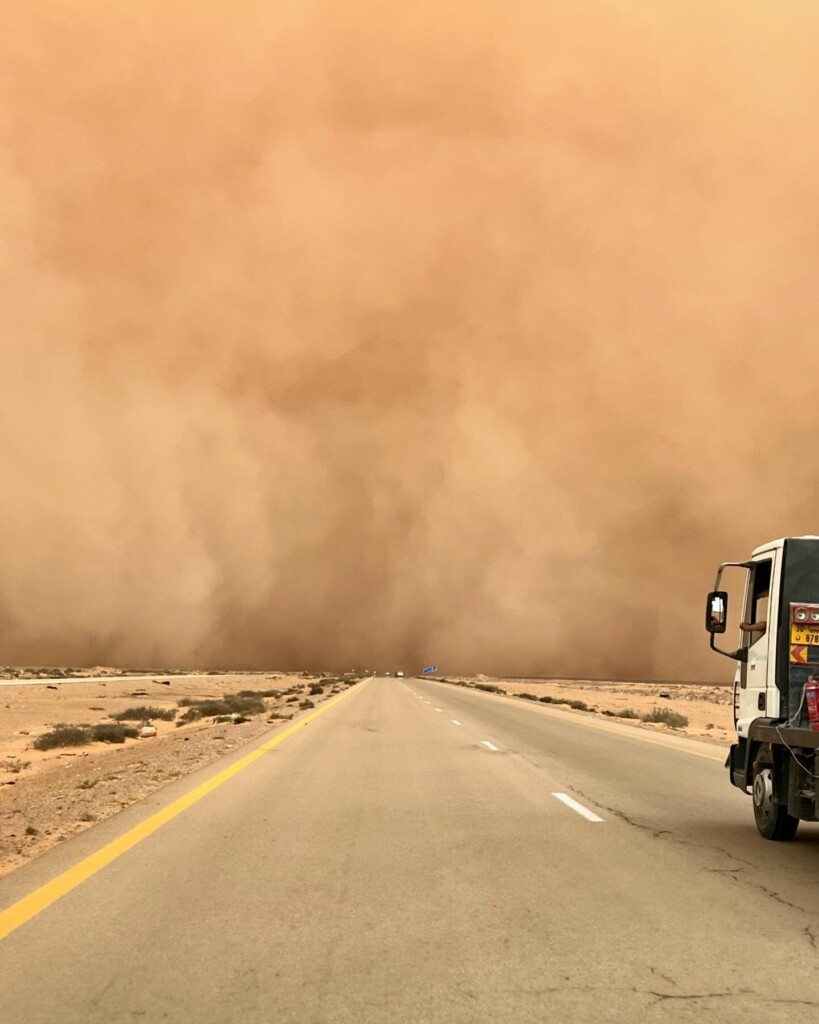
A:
(385, 334)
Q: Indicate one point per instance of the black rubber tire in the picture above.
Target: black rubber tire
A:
(776, 825)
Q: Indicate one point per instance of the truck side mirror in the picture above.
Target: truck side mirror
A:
(716, 612)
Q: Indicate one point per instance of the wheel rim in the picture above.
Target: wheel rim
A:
(763, 791)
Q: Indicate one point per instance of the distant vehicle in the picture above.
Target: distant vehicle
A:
(776, 685)
(387, 674)
(399, 675)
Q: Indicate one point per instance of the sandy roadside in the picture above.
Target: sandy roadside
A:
(49, 795)
(707, 707)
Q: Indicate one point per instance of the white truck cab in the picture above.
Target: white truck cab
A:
(777, 656)
(755, 686)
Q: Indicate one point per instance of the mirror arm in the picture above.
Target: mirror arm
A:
(740, 654)
(730, 565)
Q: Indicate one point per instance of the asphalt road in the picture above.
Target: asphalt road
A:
(403, 858)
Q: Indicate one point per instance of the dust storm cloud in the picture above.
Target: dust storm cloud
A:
(365, 333)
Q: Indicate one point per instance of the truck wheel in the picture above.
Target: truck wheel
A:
(772, 818)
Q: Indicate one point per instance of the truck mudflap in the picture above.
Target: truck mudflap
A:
(737, 765)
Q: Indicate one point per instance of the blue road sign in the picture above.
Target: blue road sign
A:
(430, 668)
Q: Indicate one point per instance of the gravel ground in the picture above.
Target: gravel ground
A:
(65, 791)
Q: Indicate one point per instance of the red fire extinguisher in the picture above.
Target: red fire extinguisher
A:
(812, 702)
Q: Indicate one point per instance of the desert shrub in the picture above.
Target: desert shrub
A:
(64, 736)
(306, 704)
(627, 713)
(315, 689)
(245, 705)
(209, 708)
(578, 705)
(527, 696)
(291, 700)
(665, 716)
(143, 712)
(113, 732)
(488, 687)
(230, 703)
(259, 693)
(11, 764)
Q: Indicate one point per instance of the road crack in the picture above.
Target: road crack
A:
(660, 997)
(666, 996)
(736, 874)
(741, 994)
(659, 974)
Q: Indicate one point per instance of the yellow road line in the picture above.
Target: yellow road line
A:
(659, 743)
(615, 732)
(29, 906)
(636, 734)
(643, 739)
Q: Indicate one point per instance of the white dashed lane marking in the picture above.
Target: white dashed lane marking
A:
(578, 807)
(488, 745)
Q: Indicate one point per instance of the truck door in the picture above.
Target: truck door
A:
(753, 696)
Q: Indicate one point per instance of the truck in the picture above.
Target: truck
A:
(776, 682)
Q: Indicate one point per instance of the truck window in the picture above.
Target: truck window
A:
(759, 599)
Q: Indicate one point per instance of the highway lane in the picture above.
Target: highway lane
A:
(671, 787)
(388, 864)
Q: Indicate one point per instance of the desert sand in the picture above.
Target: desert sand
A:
(48, 795)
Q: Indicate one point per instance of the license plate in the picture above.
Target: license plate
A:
(806, 637)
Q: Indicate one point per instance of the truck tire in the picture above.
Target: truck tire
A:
(772, 818)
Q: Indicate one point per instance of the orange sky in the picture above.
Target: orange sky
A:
(341, 334)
